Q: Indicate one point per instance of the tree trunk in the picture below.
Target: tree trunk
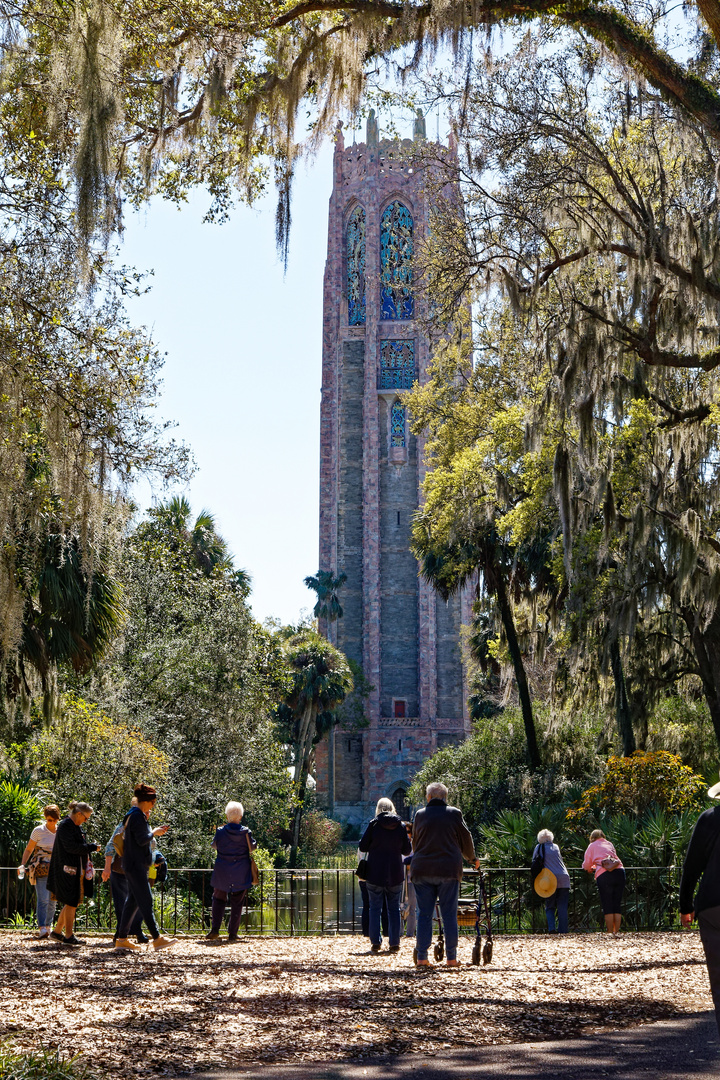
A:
(622, 706)
(498, 583)
(303, 750)
(706, 646)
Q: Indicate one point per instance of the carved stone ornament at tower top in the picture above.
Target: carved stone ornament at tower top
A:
(372, 130)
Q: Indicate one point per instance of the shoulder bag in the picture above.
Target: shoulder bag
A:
(538, 863)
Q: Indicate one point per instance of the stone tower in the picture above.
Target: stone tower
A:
(406, 639)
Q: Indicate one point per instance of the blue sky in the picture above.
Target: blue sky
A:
(242, 372)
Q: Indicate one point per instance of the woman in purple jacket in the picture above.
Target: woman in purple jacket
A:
(232, 875)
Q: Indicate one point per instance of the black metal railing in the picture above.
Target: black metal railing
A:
(317, 901)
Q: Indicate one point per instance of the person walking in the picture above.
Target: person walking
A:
(136, 861)
(702, 863)
(385, 841)
(66, 872)
(114, 873)
(232, 874)
(36, 860)
(558, 902)
(440, 842)
(602, 859)
(408, 906)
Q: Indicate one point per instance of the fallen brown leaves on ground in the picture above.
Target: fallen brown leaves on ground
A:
(281, 1000)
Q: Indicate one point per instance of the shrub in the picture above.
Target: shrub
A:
(488, 772)
(634, 784)
(87, 755)
(319, 835)
(20, 812)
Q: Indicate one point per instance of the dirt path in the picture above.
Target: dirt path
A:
(284, 1001)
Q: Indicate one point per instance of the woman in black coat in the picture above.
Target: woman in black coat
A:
(66, 876)
(385, 842)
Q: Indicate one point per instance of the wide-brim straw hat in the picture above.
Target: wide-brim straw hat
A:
(545, 883)
(714, 791)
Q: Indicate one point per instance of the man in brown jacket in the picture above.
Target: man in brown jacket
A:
(440, 841)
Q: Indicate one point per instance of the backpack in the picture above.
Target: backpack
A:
(538, 863)
(118, 842)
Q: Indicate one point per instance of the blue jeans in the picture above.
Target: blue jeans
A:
(560, 900)
(376, 895)
(45, 906)
(445, 892)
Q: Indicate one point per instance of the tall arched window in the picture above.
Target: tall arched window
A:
(355, 247)
(397, 424)
(396, 251)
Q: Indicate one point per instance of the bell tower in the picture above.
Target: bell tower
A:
(405, 638)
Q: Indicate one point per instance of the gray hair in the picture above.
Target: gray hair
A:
(545, 837)
(436, 791)
(385, 806)
(234, 812)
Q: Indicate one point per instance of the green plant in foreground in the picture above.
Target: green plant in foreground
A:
(40, 1065)
(19, 813)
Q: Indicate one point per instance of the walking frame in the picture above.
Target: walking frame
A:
(470, 912)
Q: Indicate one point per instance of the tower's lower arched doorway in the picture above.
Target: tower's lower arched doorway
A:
(399, 797)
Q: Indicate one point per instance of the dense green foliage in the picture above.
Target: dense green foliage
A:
(199, 678)
(488, 777)
(20, 812)
(654, 838)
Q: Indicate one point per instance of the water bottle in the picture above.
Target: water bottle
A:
(21, 871)
(89, 871)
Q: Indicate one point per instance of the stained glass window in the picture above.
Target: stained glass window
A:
(397, 431)
(355, 239)
(396, 251)
(397, 365)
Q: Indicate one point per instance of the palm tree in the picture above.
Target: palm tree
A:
(72, 610)
(209, 549)
(326, 586)
(320, 680)
(450, 566)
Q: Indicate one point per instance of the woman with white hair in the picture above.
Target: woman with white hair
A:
(232, 874)
(560, 899)
(385, 841)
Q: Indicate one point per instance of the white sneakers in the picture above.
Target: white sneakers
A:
(43, 932)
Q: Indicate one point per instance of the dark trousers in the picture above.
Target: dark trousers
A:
(558, 901)
(709, 923)
(139, 900)
(119, 890)
(219, 902)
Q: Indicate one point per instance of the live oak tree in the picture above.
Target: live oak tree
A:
(140, 96)
(463, 535)
(200, 679)
(590, 219)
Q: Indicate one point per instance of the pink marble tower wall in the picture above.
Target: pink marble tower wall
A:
(394, 625)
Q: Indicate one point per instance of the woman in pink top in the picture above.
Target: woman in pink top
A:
(601, 858)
